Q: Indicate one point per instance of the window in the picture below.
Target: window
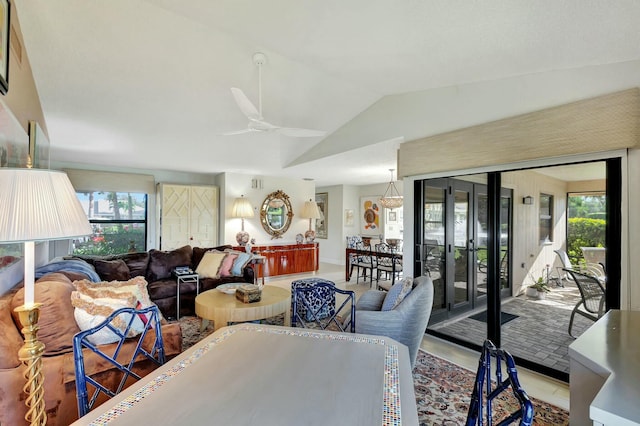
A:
(546, 218)
(119, 222)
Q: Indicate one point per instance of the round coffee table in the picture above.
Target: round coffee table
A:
(223, 308)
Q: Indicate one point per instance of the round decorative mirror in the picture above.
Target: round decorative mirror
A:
(276, 214)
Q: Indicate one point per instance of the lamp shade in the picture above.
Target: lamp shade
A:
(310, 210)
(242, 208)
(39, 205)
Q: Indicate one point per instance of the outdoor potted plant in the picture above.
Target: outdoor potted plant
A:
(539, 289)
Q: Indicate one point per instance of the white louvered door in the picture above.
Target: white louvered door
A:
(188, 215)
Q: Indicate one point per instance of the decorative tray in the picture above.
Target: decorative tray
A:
(228, 288)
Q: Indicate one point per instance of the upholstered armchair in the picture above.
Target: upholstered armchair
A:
(405, 323)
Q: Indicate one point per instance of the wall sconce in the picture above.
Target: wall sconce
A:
(527, 200)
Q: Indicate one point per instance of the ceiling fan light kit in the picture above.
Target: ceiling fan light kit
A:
(391, 198)
(257, 122)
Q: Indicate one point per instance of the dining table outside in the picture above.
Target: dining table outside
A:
(249, 374)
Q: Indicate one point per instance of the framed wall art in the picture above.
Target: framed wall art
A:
(348, 217)
(322, 227)
(5, 30)
(370, 216)
(38, 146)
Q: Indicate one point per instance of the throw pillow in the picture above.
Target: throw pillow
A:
(137, 286)
(239, 264)
(94, 302)
(56, 324)
(209, 266)
(227, 264)
(161, 263)
(397, 293)
(198, 254)
(111, 270)
(91, 312)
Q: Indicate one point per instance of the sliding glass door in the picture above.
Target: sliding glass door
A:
(452, 244)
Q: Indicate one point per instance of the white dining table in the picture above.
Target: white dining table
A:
(252, 374)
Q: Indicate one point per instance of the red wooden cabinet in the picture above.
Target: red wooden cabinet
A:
(283, 259)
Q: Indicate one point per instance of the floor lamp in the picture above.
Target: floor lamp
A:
(36, 205)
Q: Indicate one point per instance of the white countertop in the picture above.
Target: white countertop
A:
(611, 349)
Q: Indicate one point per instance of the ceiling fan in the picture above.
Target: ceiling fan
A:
(256, 121)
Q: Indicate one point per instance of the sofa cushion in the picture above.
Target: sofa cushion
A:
(161, 263)
(198, 253)
(397, 293)
(112, 270)
(209, 266)
(56, 324)
(10, 338)
(137, 263)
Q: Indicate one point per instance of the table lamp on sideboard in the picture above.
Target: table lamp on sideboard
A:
(36, 205)
(310, 211)
(242, 208)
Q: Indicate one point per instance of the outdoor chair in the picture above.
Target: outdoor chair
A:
(593, 269)
(486, 389)
(314, 306)
(115, 329)
(592, 297)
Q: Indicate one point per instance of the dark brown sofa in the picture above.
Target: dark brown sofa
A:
(57, 327)
(156, 266)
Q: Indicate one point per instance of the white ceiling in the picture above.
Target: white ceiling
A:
(145, 84)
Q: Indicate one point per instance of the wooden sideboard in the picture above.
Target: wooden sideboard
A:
(284, 259)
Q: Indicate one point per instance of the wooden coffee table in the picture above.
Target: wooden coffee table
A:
(214, 305)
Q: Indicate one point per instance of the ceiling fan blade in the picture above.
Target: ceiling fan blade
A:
(245, 104)
(238, 132)
(300, 133)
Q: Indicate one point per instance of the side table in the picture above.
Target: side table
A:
(185, 278)
(258, 260)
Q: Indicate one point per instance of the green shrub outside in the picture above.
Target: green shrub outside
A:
(584, 232)
(115, 239)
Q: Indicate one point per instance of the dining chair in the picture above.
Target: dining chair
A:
(486, 389)
(311, 311)
(390, 266)
(364, 263)
(115, 329)
(592, 297)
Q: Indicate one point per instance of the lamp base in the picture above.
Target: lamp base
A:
(242, 238)
(310, 235)
(31, 356)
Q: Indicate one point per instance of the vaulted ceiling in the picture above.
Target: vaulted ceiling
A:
(146, 83)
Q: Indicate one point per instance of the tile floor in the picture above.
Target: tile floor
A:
(537, 385)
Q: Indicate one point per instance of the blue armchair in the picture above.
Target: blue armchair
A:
(406, 323)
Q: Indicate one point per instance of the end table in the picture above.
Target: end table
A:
(185, 278)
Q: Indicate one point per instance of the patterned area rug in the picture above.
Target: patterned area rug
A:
(443, 391)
